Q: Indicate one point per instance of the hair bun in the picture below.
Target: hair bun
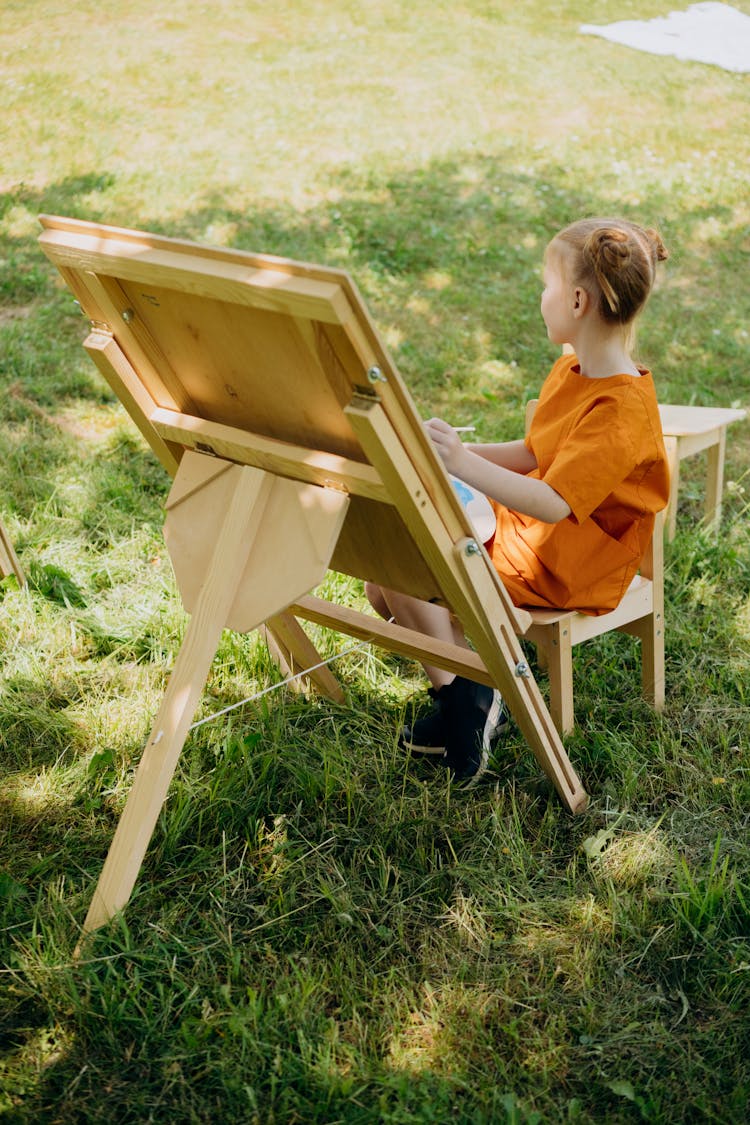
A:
(658, 248)
(609, 249)
(616, 260)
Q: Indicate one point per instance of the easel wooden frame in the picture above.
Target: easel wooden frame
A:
(265, 390)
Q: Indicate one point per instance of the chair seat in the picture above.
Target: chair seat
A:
(638, 593)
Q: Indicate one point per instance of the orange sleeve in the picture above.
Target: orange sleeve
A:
(595, 457)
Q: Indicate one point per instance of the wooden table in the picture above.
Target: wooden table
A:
(697, 428)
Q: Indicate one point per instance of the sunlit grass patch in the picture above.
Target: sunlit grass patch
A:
(632, 859)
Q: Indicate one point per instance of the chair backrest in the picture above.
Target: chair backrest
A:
(531, 406)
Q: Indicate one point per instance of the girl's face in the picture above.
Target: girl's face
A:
(557, 297)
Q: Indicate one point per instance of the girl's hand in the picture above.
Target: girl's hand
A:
(448, 444)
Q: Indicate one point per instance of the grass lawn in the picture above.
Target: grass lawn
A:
(321, 931)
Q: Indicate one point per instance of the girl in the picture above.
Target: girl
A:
(575, 500)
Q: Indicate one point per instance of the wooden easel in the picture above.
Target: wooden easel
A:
(265, 390)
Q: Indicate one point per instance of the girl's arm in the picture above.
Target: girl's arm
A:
(510, 454)
(495, 478)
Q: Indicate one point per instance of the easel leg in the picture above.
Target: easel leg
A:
(152, 779)
(9, 563)
(183, 692)
(294, 652)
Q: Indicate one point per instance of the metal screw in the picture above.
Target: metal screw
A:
(127, 315)
(375, 375)
(472, 547)
(522, 669)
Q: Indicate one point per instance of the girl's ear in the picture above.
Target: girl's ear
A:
(580, 301)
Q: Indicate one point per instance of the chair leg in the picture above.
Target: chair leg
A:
(650, 629)
(650, 632)
(560, 668)
(652, 658)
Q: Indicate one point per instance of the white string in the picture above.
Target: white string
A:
(283, 683)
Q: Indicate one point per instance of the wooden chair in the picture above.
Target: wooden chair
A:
(641, 612)
(267, 393)
(698, 428)
(9, 563)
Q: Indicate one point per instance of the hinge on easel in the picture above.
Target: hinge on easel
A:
(374, 375)
(363, 397)
(94, 325)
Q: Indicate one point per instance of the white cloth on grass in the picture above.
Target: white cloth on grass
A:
(708, 33)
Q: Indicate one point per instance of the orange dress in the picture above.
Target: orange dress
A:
(599, 444)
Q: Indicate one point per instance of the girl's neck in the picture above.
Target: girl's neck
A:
(603, 354)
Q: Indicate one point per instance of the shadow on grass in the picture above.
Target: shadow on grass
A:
(448, 258)
(448, 255)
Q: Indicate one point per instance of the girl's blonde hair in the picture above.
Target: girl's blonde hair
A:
(615, 261)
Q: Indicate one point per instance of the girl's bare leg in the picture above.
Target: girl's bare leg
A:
(424, 617)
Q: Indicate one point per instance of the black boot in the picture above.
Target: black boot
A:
(475, 717)
(465, 718)
(427, 735)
